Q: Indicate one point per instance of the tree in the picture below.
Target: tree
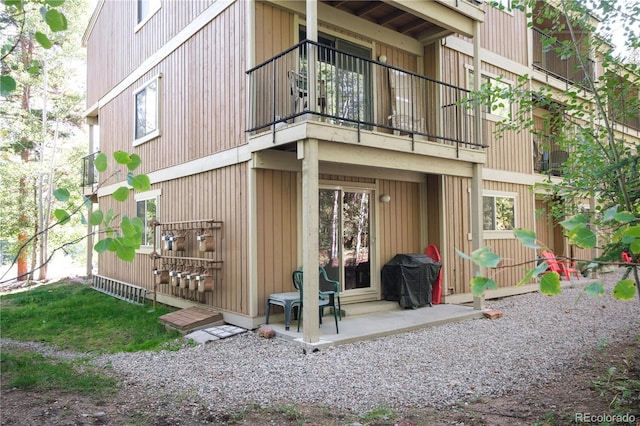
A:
(587, 120)
(40, 116)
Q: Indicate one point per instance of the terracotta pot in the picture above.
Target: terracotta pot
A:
(205, 283)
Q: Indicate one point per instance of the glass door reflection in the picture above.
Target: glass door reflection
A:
(344, 236)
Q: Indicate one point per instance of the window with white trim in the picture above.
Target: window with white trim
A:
(496, 105)
(147, 111)
(145, 9)
(146, 210)
(498, 213)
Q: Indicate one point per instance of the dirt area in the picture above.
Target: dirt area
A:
(554, 404)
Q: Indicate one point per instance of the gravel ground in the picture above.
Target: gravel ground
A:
(538, 340)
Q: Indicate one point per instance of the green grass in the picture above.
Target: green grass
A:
(74, 317)
(34, 372)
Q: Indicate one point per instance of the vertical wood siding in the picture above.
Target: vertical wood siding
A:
(399, 220)
(274, 31)
(456, 271)
(219, 195)
(107, 65)
(504, 33)
(203, 107)
(508, 150)
(511, 250)
(277, 232)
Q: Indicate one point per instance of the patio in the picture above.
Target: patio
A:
(367, 321)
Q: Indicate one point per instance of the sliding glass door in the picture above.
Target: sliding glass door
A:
(345, 249)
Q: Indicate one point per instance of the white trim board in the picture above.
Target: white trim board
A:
(216, 161)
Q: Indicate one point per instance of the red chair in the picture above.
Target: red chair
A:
(558, 266)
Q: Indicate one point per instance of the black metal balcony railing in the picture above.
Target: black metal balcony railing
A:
(356, 92)
(555, 59)
(89, 172)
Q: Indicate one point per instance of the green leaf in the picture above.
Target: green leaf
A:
(61, 194)
(141, 183)
(480, 284)
(121, 157)
(485, 258)
(135, 162)
(129, 230)
(632, 231)
(103, 245)
(585, 238)
(61, 216)
(126, 253)
(533, 273)
(136, 221)
(574, 222)
(7, 85)
(121, 194)
(100, 162)
(526, 237)
(34, 67)
(624, 290)
(96, 217)
(463, 255)
(43, 40)
(635, 247)
(595, 289)
(54, 3)
(109, 217)
(624, 217)
(550, 284)
(610, 213)
(14, 3)
(56, 20)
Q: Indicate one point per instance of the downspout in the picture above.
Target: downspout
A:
(252, 197)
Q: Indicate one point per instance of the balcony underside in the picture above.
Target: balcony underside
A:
(369, 148)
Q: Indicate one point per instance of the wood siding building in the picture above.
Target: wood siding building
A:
(378, 158)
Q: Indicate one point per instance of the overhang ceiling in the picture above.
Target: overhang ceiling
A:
(391, 17)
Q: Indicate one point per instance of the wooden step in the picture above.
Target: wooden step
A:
(189, 319)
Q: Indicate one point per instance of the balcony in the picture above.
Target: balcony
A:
(356, 93)
(554, 59)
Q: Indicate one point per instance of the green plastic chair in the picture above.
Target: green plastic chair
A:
(327, 284)
(325, 299)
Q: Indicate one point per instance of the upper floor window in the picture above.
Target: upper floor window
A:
(145, 9)
(497, 103)
(499, 213)
(147, 209)
(147, 111)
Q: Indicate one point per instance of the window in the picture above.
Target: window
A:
(147, 112)
(497, 103)
(498, 213)
(145, 9)
(147, 209)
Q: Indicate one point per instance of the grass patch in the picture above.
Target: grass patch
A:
(30, 371)
(378, 416)
(74, 317)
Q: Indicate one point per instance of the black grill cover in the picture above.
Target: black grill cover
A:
(407, 279)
